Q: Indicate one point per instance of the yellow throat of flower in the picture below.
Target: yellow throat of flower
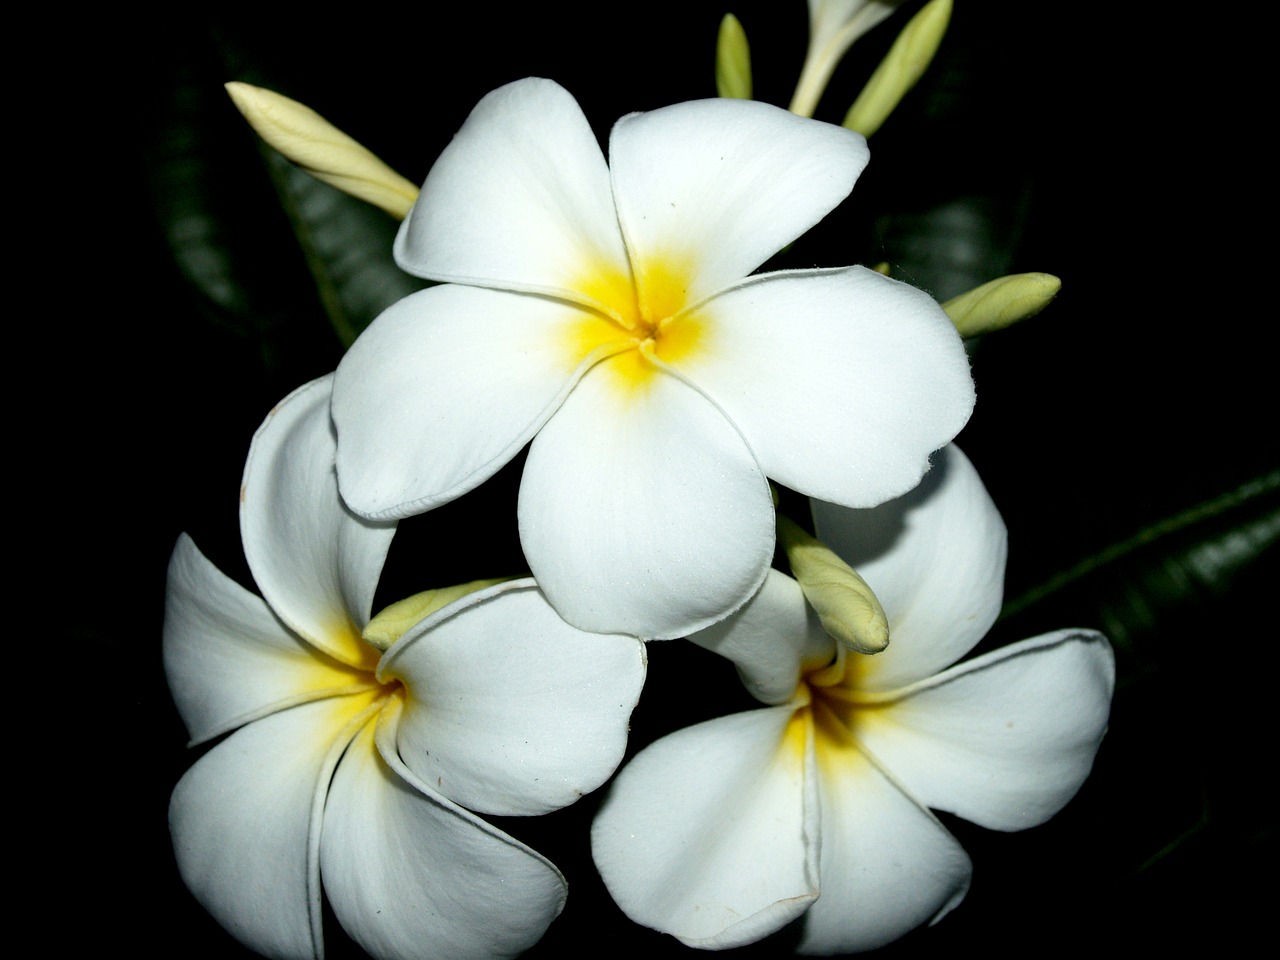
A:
(830, 709)
(645, 323)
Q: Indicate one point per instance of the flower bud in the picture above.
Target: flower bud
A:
(845, 604)
(900, 69)
(733, 60)
(1001, 302)
(309, 140)
(393, 620)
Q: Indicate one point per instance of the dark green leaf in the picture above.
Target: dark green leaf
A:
(347, 244)
(1145, 587)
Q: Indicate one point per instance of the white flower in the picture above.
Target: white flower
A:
(348, 772)
(604, 312)
(817, 806)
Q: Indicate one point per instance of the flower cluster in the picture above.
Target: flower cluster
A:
(608, 314)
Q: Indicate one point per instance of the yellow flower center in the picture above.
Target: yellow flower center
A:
(644, 320)
(831, 706)
(348, 666)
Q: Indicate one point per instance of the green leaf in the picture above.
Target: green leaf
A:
(1146, 589)
(347, 244)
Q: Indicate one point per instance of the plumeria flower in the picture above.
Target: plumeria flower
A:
(817, 805)
(354, 771)
(605, 312)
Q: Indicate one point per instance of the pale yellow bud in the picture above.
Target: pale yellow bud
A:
(391, 623)
(898, 72)
(733, 60)
(846, 606)
(307, 139)
(1001, 302)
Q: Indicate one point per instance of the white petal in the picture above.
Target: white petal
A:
(722, 185)
(842, 381)
(888, 865)
(935, 559)
(1006, 739)
(709, 834)
(444, 388)
(511, 710)
(244, 821)
(227, 658)
(518, 200)
(316, 563)
(771, 639)
(642, 510)
(410, 875)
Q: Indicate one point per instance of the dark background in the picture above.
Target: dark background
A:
(1044, 138)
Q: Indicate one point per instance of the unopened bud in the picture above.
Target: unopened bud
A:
(846, 606)
(1001, 302)
(898, 72)
(392, 621)
(317, 146)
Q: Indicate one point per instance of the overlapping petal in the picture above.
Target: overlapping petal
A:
(653, 415)
(888, 865)
(245, 822)
(1003, 740)
(466, 376)
(771, 639)
(510, 709)
(316, 563)
(641, 509)
(722, 185)
(410, 874)
(803, 363)
(710, 833)
(519, 199)
(935, 558)
(228, 658)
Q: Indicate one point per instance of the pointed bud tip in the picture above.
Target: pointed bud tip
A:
(733, 60)
(902, 67)
(846, 605)
(1001, 302)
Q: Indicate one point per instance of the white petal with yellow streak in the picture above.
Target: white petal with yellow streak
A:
(411, 875)
(228, 658)
(1003, 740)
(316, 563)
(509, 709)
(888, 865)
(710, 834)
(245, 823)
(726, 184)
(518, 200)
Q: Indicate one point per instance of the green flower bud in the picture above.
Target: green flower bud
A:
(733, 60)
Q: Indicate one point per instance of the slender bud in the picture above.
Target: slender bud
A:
(845, 604)
(898, 72)
(1001, 302)
(833, 27)
(309, 140)
(392, 621)
(733, 60)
